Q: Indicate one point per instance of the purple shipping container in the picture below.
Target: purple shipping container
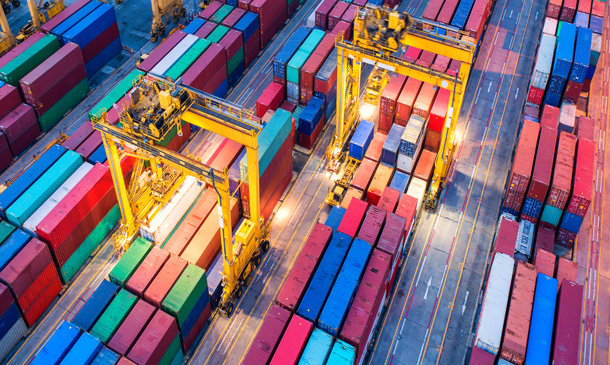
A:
(79, 136)
(20, 128)
(132, 327)
(267, 337)
(567, 327)
(9, 99)
(372, 224)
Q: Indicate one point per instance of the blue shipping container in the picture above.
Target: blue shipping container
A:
(330, 102)
(581, 55)
(58, 345)
(556, 84)
(345, 287)
(91, 26)
(75, 18)
(194, 26)
(596, 24)
(214, 278)
(552, 99)
(400, 181)
(19, 186)
(581, 20)
(222, 90)
(12, 246)
(571, 222)
(361, 139)
(342, 354)
(461, 14)
(8, 319)
(389, 153)
(565, 50)
(98, 156)
(590, 72)
(103, 57)
(543, 316)
(285, 54)
(324, 277)
(247, 25)
(236, 74)
(317, 349)
(334, 217)
(311, 116)
(106, 357)
(84, 350)
(192, 318)
(95, 306)
(532, 207)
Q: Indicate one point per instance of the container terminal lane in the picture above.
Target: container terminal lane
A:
(432, 312)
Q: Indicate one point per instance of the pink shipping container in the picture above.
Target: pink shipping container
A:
(210, 10)
(389, 96)
(566, 339)
(424, 100)
(293, 342)
(572, 92)
(550, 116)
(554, 8)
(266, 340)
(335, 15)
(545, 238)
(389, 199)
(381, 179)
(521, 171)
(233, 17)
(568, 10)
(206, 29)
(598, 8)
(545, 262)
(586, 129)
(371, 225)
(79, 136)
(271, 16)
(26, 267)
(438, 113)
(20, 127)
(353, 217)
(155, 340)
(365, 310)
(543, 167)
(9, 99)
(344, 28)
(506, 237)
(567, 270)
(13, 53)
(350, 14)
(426, 59)
(582, 192)
(432, 10)
(562, 173)
(209, 71)
(373, 153)
(301, 273)
(519, 314)
(322, 13)
(125, 361)
(412, 54)
(161, 51)
(481, 357)
(478, 18)
(392, 242)
(441, 63)
(364, 174)
(447, 11)
(270, 99)
(131, 328)
(147, 271)
(244, 4)
(406, 100)
(164, 281)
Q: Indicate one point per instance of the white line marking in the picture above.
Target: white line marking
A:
(511, 15)
(420, 270)
(465, 300)
(422, 346)
(225, 336)
(232, 337)
(428, 287)
(516, 93)
(489, 87)
(402, 326)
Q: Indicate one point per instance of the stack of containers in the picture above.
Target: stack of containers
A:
(336, 13)
(163, 66)
(562, 63)
(543, 318)
(15, 66)
(425, 166)
(461, 14)
(568, 10)
(391, 146)
(393, 240)
(193, 26)
(95, 305)
(318, 347)
(542, 70)
(596, 47)
(406, 100)
(411, 142)
(161, 51)
(380, 181)
(248, 25)
(567, 330)
(389, 96)
(266, 340)
(313, 64)
(293, 341)
(159, 343)
(293, 69)
(478, 18)
(311, 122)
(342, 353)
(234, 46)
(521, 171)
(567, 270)
(187, 59)
(322, 13)
(280, 62)
(57, 347)
(363, 176)
(325, 84)
(545, 261)
(559, 190)
(432, 10)
(209, 72)
(10, 103)
(113, 316)
(271, 15)
(361, 140)
(233, 17)
(146, 271)
(506, 236)
(129, 263)
(371, 226)
(596, 20)
(436, 120)
(14, 327)
(270, 99)
(580, 66)
(554, 9)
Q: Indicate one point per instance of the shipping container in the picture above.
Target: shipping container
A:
(95, 305)
(568, 9)
(417, 189)
(147, 271)
(29, 59)
(313, 64)
(564, 51)
(567, 270)
(270, 99)
(481, 357)
(353, 217)
(544, 61)
(9, 99)
(506, 236)
(562, 174)
(342, 354)
(545, 261)
(424, 100)
(84, 350)
(113, 316)
(20, 128)
(388, 100)
(58, 345)
(268, 336)
(411, 143)
(334, 217)
(582, 191)
(106, 357)
(293, 341)
(399, 182)
(554, 9)
(129, 262)
(11, 246)
(372, 224)
(566, 339)
(249, 26)
(389, 199)
(361, 139)
(406, 100)
(183, 296)
(375, 149)
(478, 18)
(543, 315)
(317, 349)
(159, 337)
(364, 175)
(550, 27)
(391, 146)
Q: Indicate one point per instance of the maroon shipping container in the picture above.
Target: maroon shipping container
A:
(79, 136)
(301, 273)
(26, 266)
(545, 237)
(424, 100)
(535, 95)
(90, 145)
(289, 107)
(322, 13)
(433, 140)
(586, 129)
(47, 100)
(572, 92)
(100, 42)
(251, 49)
(506, 237)
(230, 152)
(232, 42)
(364, 174)
(565, 238)
(554, 8)
(20, 127)
(147, 271)
(44, 300)
(335, 15)
(244, 4)
(6, 158)
(270, 99)
(63, 15)
(545, 262)
(582, 192)
(568, 10)
(519, 314)
(353, 217)
(441, 63)
(447, 11)
(131, 328)
(233, 17)
(371, 225)
(567, 270)
(325, 87)
(425, 165)
(562, 173)
(426, 58)
(313, 64)
(161, 51)
(373, 153)
(9, 99)
(406, 100)
(412, 54)
(271, 16)
(309, 141)
(566, 339)
(532, 111)
(350, 15)
(541, 176)
(202, 74)
(343, 28)
(432, 10)
(481, 357)
(264, 343)
(478, 18)
(365, 310)
(392, 242)
(210, 10)
(389, 96)
(389, 199)
(523, 163)
(5, 298)
(205, 30)
(438, 113)
(155, 340)
(164, 281)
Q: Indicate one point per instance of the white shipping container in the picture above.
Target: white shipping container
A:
(165, 221)
(544, 61)
(493, 311)
(567, 115)
(12, 338)
(311, 19)
(174, 55)
(49, 204)
(550, 26)
(525, 238)
(417, 189)
(596, 43)
(292, 90)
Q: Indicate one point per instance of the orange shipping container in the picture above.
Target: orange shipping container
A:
(425, 165)
(566, 269)
(425, 99)
(383, 174)
(364, 174)
(349, 195)
(545, 262)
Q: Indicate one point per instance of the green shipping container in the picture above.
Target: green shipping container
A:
(234, 62)
(188, 59)
(5, 230)
(23, 64)
(559, 25)
(43, 188)
(183, 296)
(89, 245)
(217, 34)
(116, 93)
(172, 352)
(179, 358)
(67, 102)
(551, 215)
(130, 261)
(113, 316)
(221, 13)
(297, 61)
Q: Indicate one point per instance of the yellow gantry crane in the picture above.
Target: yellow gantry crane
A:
(7, 39)
(157, 107)
(378, 34)
(41, 13)
(164, 10)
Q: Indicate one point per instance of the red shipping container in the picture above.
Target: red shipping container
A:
(545, 262)
(371, 225)
(454, 67)
(432, 141)
(189, 341)
(562, 173)
(40, 305)
(20, 128)
(353, 217)
(565, 238)
(164, 281)
(47, 100)
(586, 129)
(202, 72)
(161, 51)
(407, 208)
(541, 176)
(389, 96)
(233, 17)
(545, 237)
(432, 10)
(572, 92)
(506, 237)
(519, 314)
(79, 136)
(131, 328)
(481, 357)
(147, 271)
(271, 15)
(598, 8)
(567, 270)
(301, 273)
(100, 42)
(523, 163)
(63, 15)
(381, 179)
(365, 310)
(26, 266)
(411, 54)
(447, 11)
(277, 194)
(350, 15)
(335, 15)
(566, 339)
(344, 28)
(373, 153)
(309, 141)
(392, 242)
(364, 175)
(267, 337)
(554, 8)
(425, 165)
(425, 59)
(568, 10)
(550, 116)
(406, 100)
(478, 18)
(441, 63)
(389, 200)
(155, 340)
(535, 95)
(293, 342)
(313, 64)
(270, 99)
(37, 286)
(438, 113)
(582, 191)
(9, 99)
(205, 30)
(210, 10)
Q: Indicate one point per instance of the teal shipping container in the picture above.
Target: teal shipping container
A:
(317, 349)
(342, 354)
(293, 71)
(551, 215)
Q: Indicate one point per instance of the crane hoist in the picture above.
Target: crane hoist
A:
(379, 32)
(41, 13)
(7, 39)
(164, 10)
(156, 108)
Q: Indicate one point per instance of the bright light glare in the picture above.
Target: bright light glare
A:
(282, 213)
(366, 111)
